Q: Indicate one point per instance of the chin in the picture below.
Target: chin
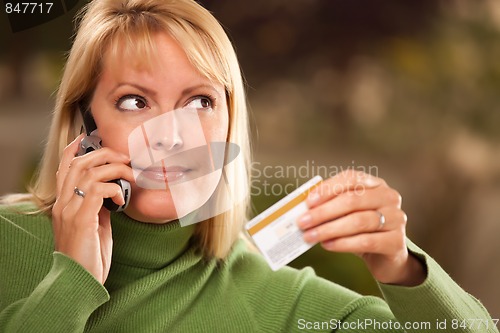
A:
(151, 206)
(161, 206)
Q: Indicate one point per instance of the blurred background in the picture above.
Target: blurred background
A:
(408, 90)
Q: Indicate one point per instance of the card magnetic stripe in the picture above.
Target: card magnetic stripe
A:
(280, 211)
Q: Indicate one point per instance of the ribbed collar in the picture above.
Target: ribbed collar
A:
(148, 245)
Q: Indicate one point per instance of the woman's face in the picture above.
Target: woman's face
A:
(159, 117)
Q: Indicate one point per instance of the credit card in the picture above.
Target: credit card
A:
(275, 231)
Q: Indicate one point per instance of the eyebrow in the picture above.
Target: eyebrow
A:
(186, 91)
(139, 87)
(189, 91)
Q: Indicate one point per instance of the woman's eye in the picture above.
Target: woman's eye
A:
(200, 103)
(131, 103)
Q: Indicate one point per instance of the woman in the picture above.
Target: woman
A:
(73, 266)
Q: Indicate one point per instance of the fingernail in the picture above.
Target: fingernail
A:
(371, 181)
(328, 244)
(304, 220)
(313, 198)
(120, 195)
(311, 236)
(78, 139)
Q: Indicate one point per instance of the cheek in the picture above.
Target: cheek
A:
(112, 128)
(216, 130)
(115, 137)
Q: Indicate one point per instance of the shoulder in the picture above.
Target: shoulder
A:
(26, 247)
(21, 211)
(21, 221)
(17, 208)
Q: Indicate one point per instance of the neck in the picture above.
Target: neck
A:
(148, 245)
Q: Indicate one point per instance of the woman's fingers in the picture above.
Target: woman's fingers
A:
(103, 174)
(357, 213)
(81, 165)
(344, 182)
(373, 243)
(357, 223)
(87, 179)
(68, 156)
(82, 228)
(79, 216)
(106, 173)
(81, 212)
(349, 202)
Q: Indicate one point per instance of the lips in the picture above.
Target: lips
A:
(170, 174)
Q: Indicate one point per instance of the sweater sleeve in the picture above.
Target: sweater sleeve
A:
(439, 302)
(62, 302)
(299, 301)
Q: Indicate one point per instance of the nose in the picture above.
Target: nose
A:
(168, 136)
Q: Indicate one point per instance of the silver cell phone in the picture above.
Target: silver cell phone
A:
(92, 142)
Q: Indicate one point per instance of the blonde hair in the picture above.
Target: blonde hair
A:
(104, 25)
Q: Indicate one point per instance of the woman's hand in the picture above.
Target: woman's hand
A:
(82, 228)
(358, 213)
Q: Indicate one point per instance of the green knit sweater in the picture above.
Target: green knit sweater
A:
(159, 283)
